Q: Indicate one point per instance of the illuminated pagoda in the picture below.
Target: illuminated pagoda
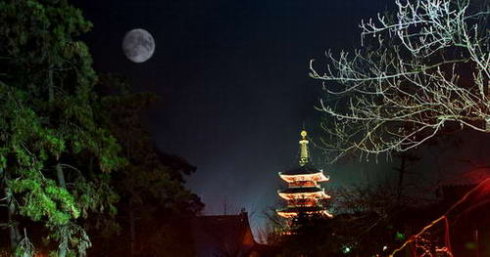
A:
(304, 195)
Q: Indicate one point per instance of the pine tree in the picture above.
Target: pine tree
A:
(48, 127)
(154, 202)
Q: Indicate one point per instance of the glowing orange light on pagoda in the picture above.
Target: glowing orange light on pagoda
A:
(303, 195)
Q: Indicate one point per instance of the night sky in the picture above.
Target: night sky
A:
(233, 79)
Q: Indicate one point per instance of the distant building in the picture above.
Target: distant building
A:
(226, 236)
(304, 195)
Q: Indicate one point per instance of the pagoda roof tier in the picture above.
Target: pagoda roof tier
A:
(293, 190)
(303, 192)
(318, 177)
(291, 212)
(301, 170)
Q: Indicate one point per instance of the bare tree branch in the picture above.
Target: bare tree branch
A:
(415, 73)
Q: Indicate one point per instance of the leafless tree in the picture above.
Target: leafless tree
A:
(418, 70)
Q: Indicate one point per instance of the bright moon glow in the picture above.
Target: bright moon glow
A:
(138, 45)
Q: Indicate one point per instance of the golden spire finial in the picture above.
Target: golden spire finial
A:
(304, 134)
(303, 155)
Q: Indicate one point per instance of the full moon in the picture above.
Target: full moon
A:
(138, 45)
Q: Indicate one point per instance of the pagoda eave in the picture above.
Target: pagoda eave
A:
(304, 195)
(318, 177)
(292, 214)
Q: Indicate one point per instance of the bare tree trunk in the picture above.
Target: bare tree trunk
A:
(11, 208)
(50, 84)
(61, 181)
(13, 229)
(61, 175)
(401, 176)
(407, 159)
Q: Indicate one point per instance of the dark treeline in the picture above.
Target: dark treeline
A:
(395, 218)
(78, 171)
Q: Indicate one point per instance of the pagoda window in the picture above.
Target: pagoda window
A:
(308, 202)
(300, 178)
(303, 184)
